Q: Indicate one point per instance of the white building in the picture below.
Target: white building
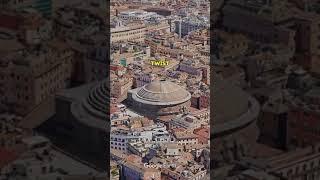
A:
(136, 15)
(120, 138)
(187, 122)
(191, 23)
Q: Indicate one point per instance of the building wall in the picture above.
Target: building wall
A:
(315, 45)
(120, 141)
(96, 64)
(130, 174)
(303, 127)
(187, 141)
(28, 84)
(87, 140)
(154, 111)
(120, 88)
(204, 101)
(134, 33)
(190, 69)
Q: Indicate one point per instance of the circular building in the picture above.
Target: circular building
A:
(233, 109)
(81, 121)
(159, 98)
(234, 131)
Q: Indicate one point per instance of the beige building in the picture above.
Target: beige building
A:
(120, 87)
(185, 138)
(168, 44)
(30, 78)
(133, 32)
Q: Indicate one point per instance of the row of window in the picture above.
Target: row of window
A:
(187, 143)
(132, 17)
(119, 148)
(127, 34)
(119, 144)
(142, 139)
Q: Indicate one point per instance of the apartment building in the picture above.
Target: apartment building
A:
(33, 76)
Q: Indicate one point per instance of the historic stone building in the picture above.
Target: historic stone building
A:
(159, 98)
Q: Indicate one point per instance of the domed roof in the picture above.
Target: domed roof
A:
(229, 101)
(161, 93)
(232, 107)
(97, 100)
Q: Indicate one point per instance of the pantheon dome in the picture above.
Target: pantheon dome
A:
(159, 98)
(98, 98)
(161, 93)
(232, 107)
(234, 132)
(82, 118)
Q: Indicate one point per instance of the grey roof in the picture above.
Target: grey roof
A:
(232, 107)
(161, 93)
(229, 101)
(89, 103)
